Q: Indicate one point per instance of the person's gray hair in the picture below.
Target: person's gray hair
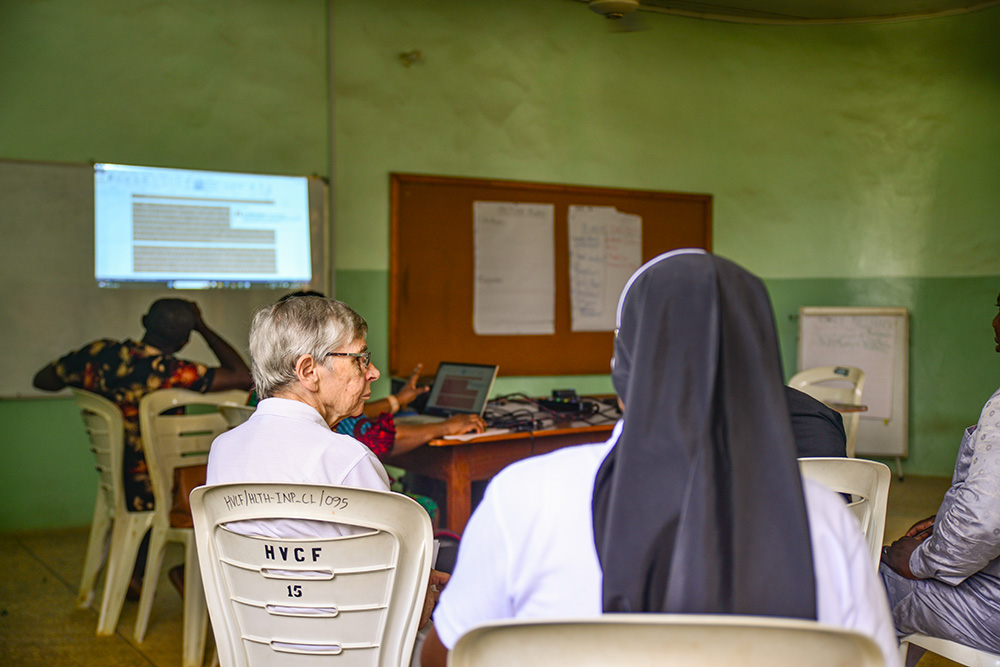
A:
(283, 332)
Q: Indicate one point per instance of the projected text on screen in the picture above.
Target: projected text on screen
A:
(193, 229)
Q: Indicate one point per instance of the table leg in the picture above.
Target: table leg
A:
(459, 492)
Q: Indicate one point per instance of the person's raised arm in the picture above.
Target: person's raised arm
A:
(232, 372)
(48, 379)
(399, 400)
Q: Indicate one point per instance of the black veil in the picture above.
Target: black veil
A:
(699, 507)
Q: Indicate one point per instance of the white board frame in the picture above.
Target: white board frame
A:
(51, 302)
(876, 437)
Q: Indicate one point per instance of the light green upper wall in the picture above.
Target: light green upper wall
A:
(832, 153)
(838, 151)
(219, 84)
(227, 84)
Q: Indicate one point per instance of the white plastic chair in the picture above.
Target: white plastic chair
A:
(868, 484)
(104, 424)
(236, 414)
(678, 640)
(963, 655)
(831, 385)
(346, 600)
(171, 442)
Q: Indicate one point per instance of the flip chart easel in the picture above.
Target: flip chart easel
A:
(876, 340)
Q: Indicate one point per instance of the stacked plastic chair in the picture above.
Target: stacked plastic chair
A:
(115, 533)
(833, 385)
(172, 441)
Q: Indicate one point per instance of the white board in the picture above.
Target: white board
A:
(51, 303)
(876, 340)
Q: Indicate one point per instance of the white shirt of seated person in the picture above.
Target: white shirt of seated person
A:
(289, 439)
(509, 567)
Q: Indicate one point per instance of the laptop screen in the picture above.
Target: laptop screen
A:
(460, 388)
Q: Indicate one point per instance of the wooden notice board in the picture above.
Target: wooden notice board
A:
(432, 270)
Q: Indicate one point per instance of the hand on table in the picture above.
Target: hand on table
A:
(459, 424)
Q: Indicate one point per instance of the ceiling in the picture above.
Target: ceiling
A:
(815, 11)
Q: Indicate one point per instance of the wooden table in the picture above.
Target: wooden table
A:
(846, 407)
(458, 463)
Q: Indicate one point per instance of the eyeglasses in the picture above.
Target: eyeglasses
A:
(364, 358)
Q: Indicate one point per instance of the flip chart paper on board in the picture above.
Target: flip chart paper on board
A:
(854, 340)
(514, 289)
(605, 249)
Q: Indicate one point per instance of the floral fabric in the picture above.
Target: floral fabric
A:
(378, 434)
(124, 372)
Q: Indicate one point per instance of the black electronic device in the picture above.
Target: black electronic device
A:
(564, 401)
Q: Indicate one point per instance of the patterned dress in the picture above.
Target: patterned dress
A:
(958, 594)
(124, 372)
(378, 434)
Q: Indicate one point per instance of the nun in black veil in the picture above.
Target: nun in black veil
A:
(695, 504)
(699, 506)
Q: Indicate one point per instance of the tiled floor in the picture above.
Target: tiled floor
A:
(40, 625)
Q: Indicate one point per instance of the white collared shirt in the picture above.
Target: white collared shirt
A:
(528, 552)
(288, 441)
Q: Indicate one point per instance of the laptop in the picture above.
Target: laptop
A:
(457, 389)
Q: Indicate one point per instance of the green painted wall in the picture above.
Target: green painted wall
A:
(850, 151)
(953, 365)
(849, 165)
(852, 165)
(228, 84)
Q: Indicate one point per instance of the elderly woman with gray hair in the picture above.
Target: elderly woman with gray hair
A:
(312, 368)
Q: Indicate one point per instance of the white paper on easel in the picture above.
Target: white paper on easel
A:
(514, 290)
(605, 249)
(859, 341)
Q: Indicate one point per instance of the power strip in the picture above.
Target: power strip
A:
(567, 405)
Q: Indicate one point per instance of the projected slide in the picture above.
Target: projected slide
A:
(195, 229)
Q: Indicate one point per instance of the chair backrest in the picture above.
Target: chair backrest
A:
(868, 484)
(831, 385)
(679, 640)
(959, 653)
(350, 599)
(104, 424)
(179, 440)
(236, 414)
